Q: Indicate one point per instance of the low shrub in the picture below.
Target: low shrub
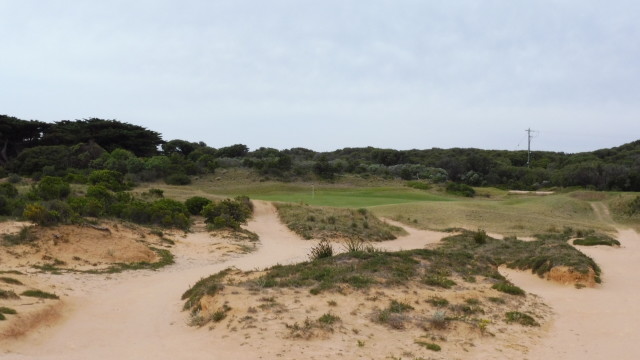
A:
(227, 213)
(51, 187)
(520, 318)
(178, 179)
(460, 189)
(429, 346)
(439, 280)
(39, 294)
(195, 204)
(322, 250)
(420, 185)
(508, 288)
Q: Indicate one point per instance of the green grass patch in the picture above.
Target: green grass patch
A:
(439, 281)
(429, 346)
(9, 280)
(520, 318)
(8, 311)
(595, 240)
(210, 285)
(39, 294)
(508, 288)
(328, 319)
(399, 307)
(326, 223)
(438, 301)
(8, 295)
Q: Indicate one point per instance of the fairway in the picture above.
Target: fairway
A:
(354, 198)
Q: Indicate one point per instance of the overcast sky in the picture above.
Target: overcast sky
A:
(329, 74)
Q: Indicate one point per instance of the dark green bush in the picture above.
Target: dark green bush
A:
(178, 179)
(227, 213)
(51, 187)
(480, 237)
(40, 215)
(195, 204)
(110, 179)
(508, 288)
(460, 189)
(8, 190)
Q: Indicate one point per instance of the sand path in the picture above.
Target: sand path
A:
(135, 315)
(599, 323)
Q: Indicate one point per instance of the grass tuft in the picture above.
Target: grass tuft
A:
(39, 294)
(12, 281)
(330, 223)
(508, 288)
(521, 318)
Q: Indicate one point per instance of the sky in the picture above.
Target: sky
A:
(330, 74)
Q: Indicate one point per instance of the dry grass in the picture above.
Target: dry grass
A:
(511, 215)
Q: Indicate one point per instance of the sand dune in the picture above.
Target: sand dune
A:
(136, 315)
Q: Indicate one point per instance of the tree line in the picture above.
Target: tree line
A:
(73, 149)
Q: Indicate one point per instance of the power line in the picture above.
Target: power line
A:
(529, 136)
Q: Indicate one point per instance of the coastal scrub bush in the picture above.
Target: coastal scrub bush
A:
(51, 187)
(460, 189)
(195, 204)
(227, 213)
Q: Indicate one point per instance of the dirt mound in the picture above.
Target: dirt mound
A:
(80, 247)
(379, 322)
(566, 275)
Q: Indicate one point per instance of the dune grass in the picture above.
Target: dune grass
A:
(39, 294)
(326, 223)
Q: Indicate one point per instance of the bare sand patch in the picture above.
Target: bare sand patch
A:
(80, 247)
(138, 314)
(593, 323)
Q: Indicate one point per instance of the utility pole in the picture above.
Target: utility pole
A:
(528, 147)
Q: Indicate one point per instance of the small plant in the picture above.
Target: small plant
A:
(438, 301)
(332, 303)
(429, 346)
(12, 281)
(322, 250)
(8, 311)
(328, 319)
(361, 343)
(8, 295)
(521, 318)
(196, 320)
(439, 280)
(508, 288)
(218, 315)
(480, 237)
(472, 301)
(496, 300)
(482, 325)
(39, 294)
(399, 307)
(439, 320)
